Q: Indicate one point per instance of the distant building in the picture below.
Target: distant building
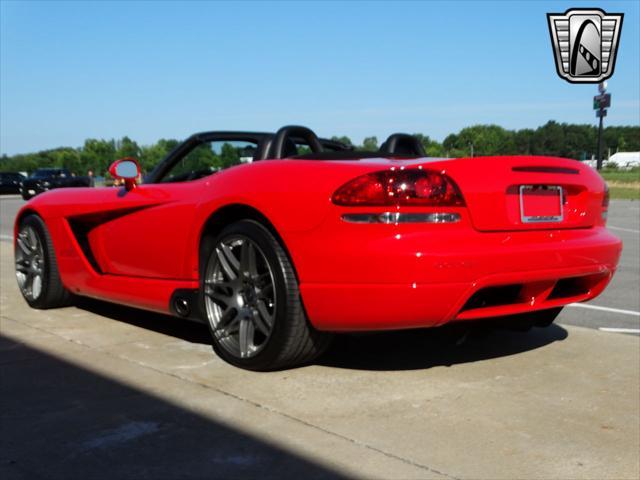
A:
(625, 159)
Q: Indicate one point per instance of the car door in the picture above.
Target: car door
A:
(148, 236)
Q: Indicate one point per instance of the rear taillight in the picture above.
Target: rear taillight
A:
(400, 187)
(605, 203)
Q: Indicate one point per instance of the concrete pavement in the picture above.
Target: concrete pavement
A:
(101, 391)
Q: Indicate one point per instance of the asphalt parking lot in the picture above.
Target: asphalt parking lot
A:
(102, 391)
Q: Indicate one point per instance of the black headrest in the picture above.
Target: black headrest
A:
(402, 144)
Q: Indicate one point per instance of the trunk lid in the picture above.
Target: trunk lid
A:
(527, 193)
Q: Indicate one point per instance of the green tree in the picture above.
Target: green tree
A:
(522, 141)
(97, 155)
(431, 147)
(343, 139)
(127, 148)
(229, 155)
(152, 155)
(369, 144)
(622, 144)
(549, 140)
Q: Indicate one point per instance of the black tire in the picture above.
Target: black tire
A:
(292, 340)
(26, 197)
(52, 293)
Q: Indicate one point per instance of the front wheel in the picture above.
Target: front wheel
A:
(252, 303)
(36, 266)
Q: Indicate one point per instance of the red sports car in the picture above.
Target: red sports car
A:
(276, 241)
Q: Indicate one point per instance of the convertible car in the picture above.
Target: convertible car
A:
(278, 241)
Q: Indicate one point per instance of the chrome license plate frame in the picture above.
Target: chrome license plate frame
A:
(541, 218)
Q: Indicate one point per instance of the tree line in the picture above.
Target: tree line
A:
(553, 138)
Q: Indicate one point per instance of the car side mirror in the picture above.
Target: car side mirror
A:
(126, 169)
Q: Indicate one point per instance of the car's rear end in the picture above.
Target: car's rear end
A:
(414, 243)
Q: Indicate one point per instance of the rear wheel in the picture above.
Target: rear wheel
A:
(36, 266)
(251, 301)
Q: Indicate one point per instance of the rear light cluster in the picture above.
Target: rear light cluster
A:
(398, 187)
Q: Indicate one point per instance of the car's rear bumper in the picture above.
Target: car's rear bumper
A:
(472, 277)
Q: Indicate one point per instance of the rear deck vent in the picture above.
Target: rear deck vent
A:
(570, 287)
(494, 297)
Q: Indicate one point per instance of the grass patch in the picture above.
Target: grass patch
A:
(624, 190)
(623, 184)
(621, 176)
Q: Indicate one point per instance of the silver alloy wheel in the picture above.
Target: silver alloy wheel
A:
(30, 263)
(240, 296)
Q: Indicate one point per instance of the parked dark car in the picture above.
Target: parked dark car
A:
(10, 182)
(44, 179)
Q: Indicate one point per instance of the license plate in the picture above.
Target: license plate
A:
(541, 203)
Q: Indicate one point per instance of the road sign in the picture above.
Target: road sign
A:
(602, 101)
(601, 113)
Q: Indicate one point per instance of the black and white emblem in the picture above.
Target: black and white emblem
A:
(585, 43)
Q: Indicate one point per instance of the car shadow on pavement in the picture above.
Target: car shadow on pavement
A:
(183, 329)
(60, 421)
(426, 348)
(399, 350)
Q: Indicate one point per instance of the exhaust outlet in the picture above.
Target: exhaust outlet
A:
(181, 306)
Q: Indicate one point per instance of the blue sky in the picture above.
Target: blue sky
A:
(73, 70)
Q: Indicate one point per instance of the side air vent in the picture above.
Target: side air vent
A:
(80, 231)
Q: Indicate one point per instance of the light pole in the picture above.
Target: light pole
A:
(600, 104)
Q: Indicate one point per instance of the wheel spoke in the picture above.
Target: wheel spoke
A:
(262, 319)
(36, 285)
(229, 271)
(230, 256)
(248, 264)
(217, 296)
(234, 326)
(23, 246)
(245, 337)
(33, 239)
(20, 267)
(219, 283)
(28, 283)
